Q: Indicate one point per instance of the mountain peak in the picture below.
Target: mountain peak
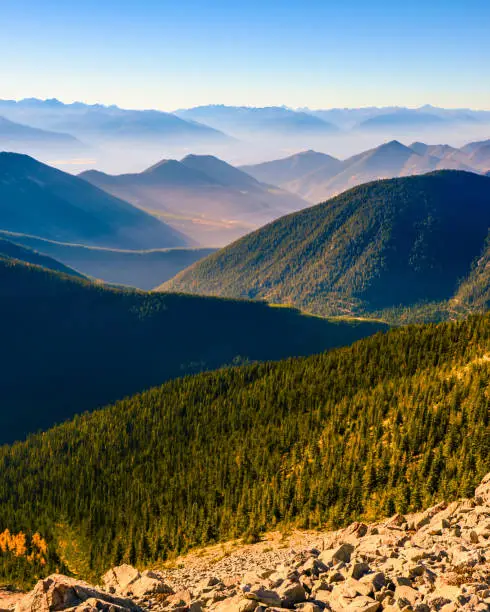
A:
(393, 145)
(392, 149)
(195, 157)
(310, 153)
(220, 171)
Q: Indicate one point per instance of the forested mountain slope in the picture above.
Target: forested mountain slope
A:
(391, 424)
(71, 345)
(387, 244)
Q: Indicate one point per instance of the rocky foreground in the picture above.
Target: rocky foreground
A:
(433, 560)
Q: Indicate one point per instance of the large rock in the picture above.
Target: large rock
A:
(291, 592)
(482, 492)
(406, 596)
(180, 599)
(247, 605)
(148, 584)
(118, 579)
(95, 605)
(58, 592)
(335, 555)
(263, 595)
(125, 580)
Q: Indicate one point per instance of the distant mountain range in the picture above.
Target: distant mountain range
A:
(17, 136)
(388, 117)
(81, 345)
(380, 246)
(244, 121)
(279, 120)
(39, 200)
(403, 118)
(315, 176)
(95, 123)
(110, 135)
(293, 168)
(202, 196)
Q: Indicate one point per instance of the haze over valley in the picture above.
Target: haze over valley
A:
(118, 140)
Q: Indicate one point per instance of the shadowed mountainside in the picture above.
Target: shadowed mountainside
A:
(140, 269)
(82, 345)
(11, 250)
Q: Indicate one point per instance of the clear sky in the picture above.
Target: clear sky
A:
(316, 53)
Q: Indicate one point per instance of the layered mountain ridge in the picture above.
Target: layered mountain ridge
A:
(43, 201)
(316, 181)
(139, 269)
(13, 251)
(202, 196)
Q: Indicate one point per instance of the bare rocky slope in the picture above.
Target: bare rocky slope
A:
(438, 559)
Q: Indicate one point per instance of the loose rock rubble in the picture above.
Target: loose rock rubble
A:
(59, 592)
(438, 559)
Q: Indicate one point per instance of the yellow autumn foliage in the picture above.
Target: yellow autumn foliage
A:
(17, 545)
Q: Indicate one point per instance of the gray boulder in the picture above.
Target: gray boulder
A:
(58, 592)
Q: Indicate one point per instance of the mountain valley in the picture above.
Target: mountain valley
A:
(140, 269)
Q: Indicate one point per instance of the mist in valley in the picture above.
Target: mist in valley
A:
(128, 155)
(196, 169)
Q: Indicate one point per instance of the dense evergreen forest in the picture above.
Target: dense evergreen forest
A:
(392, 423)
(405, 249)
(71, 345)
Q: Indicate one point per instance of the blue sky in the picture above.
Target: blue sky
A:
(321, 54)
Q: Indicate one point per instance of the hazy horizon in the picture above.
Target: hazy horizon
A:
(319, 54)
(109, 104)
